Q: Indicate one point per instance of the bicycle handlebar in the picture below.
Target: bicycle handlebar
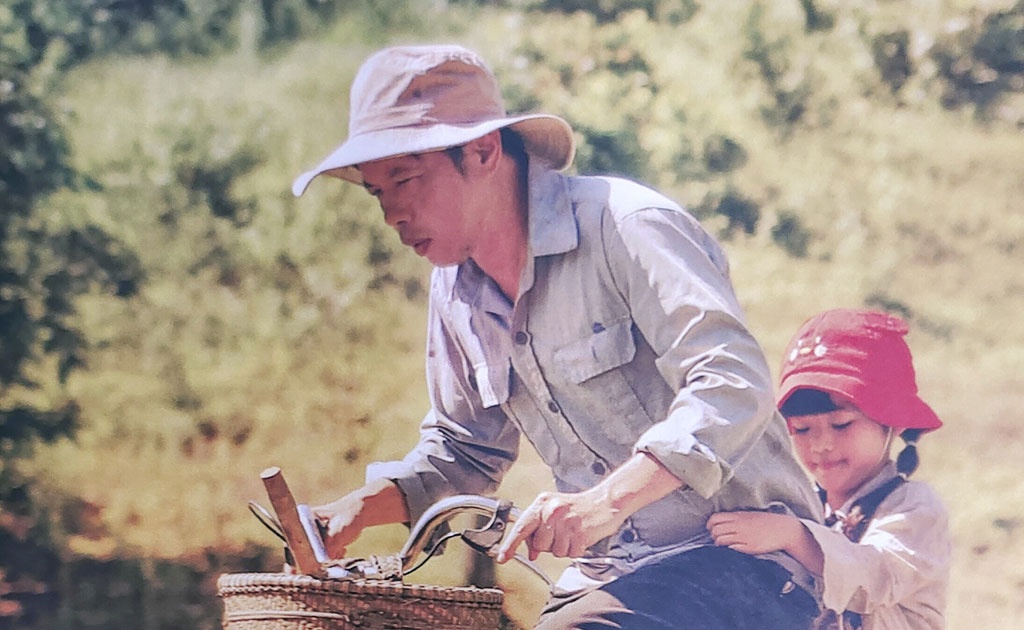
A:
(484, 539)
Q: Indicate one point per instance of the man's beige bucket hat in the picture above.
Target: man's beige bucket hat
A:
(414, 99)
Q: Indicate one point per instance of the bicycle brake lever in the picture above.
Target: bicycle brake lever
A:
(267, 520)
(486, 539)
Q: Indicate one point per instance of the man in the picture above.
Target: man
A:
(595, 317)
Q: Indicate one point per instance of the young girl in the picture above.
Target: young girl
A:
(847, 390)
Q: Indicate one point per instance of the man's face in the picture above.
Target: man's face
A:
(428, 202)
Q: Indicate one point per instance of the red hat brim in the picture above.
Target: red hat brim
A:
(892, 410)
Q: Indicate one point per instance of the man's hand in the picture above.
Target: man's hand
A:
(565, 524)
(377, 503)
(562, 524)
(340, 524)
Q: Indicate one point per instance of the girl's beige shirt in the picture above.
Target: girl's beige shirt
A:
(896, 577)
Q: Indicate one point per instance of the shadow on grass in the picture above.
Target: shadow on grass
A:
(137, 593)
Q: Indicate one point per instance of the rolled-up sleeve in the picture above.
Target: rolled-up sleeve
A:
(468, 456)
(675, 278)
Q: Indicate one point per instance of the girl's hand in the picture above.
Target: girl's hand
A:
(755, 532)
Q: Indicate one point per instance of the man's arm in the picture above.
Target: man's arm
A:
(379, 502)
(566, 524)
(675, 279)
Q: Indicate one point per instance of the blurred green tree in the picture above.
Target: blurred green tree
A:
(982, 63)
(42, 271)
(606, 11)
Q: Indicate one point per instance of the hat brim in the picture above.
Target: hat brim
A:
(547, 137)
(899, 412)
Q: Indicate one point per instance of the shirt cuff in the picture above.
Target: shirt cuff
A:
(686, 458)
(837, 583)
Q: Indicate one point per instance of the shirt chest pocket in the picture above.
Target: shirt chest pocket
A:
(600, 369)
(611, 346)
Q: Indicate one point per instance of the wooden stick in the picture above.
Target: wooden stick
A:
(288, 515)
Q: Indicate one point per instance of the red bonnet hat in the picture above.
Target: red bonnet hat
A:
(860, 355)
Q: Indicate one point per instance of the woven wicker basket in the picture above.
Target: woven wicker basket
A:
(278, 601)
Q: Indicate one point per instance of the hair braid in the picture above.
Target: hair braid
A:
(907, 460)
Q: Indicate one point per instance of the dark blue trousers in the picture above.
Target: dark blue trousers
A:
(710, 588)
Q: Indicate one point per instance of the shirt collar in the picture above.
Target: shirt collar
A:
(552, 230)
(551, 219)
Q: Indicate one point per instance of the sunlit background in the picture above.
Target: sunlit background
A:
(173, 321)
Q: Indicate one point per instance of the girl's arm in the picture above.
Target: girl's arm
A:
(900, 566)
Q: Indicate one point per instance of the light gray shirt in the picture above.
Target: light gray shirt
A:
(626, 337)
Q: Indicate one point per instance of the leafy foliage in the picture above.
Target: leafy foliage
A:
(983, 61)
(74, 30)
(789, 89)
(790, 234)
(607, 11)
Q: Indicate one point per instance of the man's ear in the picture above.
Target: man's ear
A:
(483, 152)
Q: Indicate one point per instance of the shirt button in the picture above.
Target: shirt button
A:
(522, 338)
(628, 536)
(598, 468)
(553, 407)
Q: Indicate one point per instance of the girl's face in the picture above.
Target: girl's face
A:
(842, 448)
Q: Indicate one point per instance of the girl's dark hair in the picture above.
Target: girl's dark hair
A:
(807, 402)
(907, 460)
